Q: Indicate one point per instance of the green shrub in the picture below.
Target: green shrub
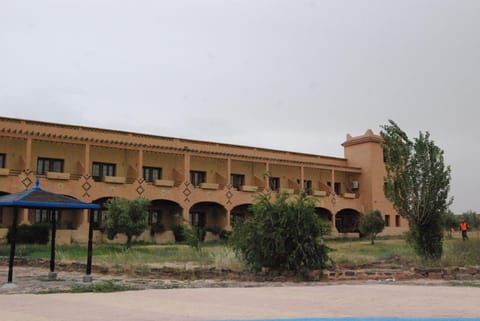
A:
(179, 232)
(371, 224)
(282, 235)
(220, 232)
(31, 234)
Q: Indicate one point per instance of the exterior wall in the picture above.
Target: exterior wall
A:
(23, 141)
(44, 149)
(366, 152)
(171, 164)
(14, 149)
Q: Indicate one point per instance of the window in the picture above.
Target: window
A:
(197, 177)
(97, 218)
(154, 217)
(337, 187)
(397, 220)
(274, 183)
(198, 219)
(2, 160)
(100, 170)
(237, 180)
(307, 186)
(43, 215)
(45, 165)
(150, 174)
(387, 220)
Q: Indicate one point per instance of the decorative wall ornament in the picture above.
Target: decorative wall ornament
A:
(27, 178)
(187, 191)
(333, 199)
(229, 193)
(86, 185)
(140, 189)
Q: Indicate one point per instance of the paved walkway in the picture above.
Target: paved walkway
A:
(246, 303)
(372, 299)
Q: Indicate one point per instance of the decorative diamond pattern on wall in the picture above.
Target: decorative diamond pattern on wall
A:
(187, 192)
(86, 186)
(229, 194)
(140, 189)
(27, 181)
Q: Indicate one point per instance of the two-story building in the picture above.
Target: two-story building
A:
(205, 183)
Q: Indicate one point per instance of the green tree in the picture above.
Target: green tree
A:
(450, 222)
(417, 183)
(282, 235)
(471, 218)
(124, 216)
(371, 224)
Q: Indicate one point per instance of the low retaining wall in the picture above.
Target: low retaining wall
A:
(450, 273)
(393, 274)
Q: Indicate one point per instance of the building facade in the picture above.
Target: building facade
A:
(202, 183)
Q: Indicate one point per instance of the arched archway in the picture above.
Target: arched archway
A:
(209, 215)
(347, 220)
(163, 214)
(239, 213)
(4, 222)
(324, 214)
(98, 215)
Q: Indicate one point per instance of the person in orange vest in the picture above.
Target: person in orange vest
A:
(464, 228)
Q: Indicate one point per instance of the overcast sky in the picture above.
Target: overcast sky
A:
(292, 75)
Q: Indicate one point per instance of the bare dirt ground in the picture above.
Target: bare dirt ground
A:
(221, 300)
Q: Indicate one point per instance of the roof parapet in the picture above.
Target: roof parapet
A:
(368, 137)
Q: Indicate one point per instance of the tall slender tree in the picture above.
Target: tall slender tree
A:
(417, 183)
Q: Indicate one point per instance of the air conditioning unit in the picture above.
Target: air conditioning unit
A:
(355, 185)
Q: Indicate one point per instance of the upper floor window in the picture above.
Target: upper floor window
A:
(150, 174)
(197, 177)
(274, 183)
(237, 180)
(2, 160)
(100, 170)
(337, 187)
(45, 165)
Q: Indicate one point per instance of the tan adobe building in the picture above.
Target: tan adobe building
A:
(206, 183)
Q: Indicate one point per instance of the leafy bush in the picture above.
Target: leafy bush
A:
(195, 236)
(178, 232)
(220, 232)
(282, 235)
(31, 234)
(371, 224)
(124, 216)
(427, 239)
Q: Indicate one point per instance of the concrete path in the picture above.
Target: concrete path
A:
(362, 300)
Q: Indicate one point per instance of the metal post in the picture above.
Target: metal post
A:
(52, 275)
(88, 278)
(13, 240)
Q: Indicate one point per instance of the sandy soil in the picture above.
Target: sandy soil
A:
(235, 301)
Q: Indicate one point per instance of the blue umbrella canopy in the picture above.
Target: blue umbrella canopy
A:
(39, 198)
